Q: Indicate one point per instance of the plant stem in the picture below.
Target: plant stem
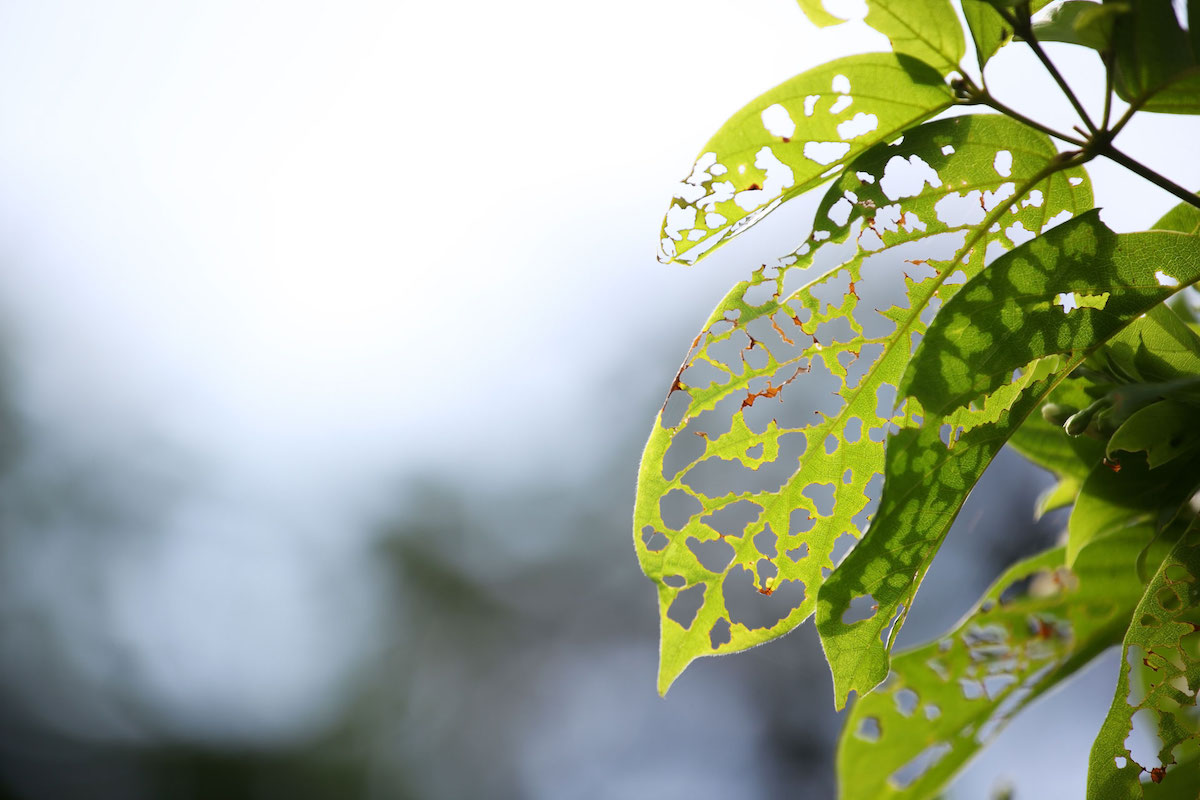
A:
(991, 102)
(1108, 90)
(1138, 168)
(1025, 30)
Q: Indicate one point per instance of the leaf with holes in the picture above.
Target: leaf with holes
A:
(1159, 678)
(742, 496)
(970, 350)
(945, 700)
(1064, 292)
(792, 139)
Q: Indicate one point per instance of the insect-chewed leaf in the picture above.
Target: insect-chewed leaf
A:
(970, 349)
(792, 139)
(742, 494)
(945, 700)
(1157, 685)
(1065, 292)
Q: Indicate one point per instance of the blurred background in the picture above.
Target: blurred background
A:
(330, 334)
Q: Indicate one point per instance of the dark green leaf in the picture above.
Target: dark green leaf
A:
(1155, 66)
(1066, 291)
(1164, 430)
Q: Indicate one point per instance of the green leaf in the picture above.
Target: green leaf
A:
(1060, 495)
(1161, 653)
(1066, 291)
(988, 29)
(817, 15)
(741, 408)
(1164, 430)
(927, 477)
(924, 29)
(794, 138)
(1184, 217)
(1048, 445)
(1111, 499)
(1155, 66)
(1078, 22)
(944, 701)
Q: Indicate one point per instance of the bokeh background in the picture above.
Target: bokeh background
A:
(329, 337)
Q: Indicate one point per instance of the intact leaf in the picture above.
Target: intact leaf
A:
(944, 701)
(1060, 495)
(1048, 445)
(929, 471)
(1164, 430)
(1184, 217)
(1162, 654)
(738, 434)
(924, 29)
(1155, 67)
(1110, 499)
(1063, 292)
(988, 29)
(1080, 22)
(794, 138)
(817, 15)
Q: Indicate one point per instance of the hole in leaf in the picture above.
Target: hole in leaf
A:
(1143, 742)
(1165, 280)
(825, 153)
(932, 712)
(906, 701)
(656, 542)
(714, 556)
(765, 542)
(797, 554)
(686, 605)
(971, 689)
(841, 84)
(677, 507)
(778, 121)
(1168, 600)
(810, 104)
(800, 521)
(841, 546)
(1002, 163)
(860, 608)
(924, 761)
(753, 608)
(822, 496)
(840, 105)
(720, 633)
(869, 730)
(675, 581)
(733, 519)
(907, 177)
(861, 123)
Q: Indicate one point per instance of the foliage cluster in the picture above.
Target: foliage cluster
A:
(958, 291)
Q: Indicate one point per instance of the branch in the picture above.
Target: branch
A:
(1138, 168)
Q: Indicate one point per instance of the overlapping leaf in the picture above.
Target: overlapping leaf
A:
(1157, 685)
(945, 700)
(792, 139)
(924, 29)
(761, 347)
(996, 325)
(1156, 68)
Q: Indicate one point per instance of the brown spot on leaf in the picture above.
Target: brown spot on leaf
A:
(1157, 774)
(1115, 466)
(752, 187)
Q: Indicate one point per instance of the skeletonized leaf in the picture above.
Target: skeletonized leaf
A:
(1036, 625)
(792, 139)
(1159, 678)
(743, 490)
(930, 469)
